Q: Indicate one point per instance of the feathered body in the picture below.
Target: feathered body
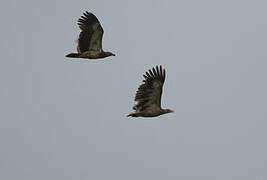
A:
(148, 95)
(90, 38)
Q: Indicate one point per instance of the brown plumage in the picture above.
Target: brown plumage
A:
(90, 38)
(148, 95)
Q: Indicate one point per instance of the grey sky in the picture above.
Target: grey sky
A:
(65, 119)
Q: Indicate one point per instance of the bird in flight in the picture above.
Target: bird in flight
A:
(90, 39)
(148, 95)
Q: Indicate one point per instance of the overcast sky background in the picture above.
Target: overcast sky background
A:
(63, 119)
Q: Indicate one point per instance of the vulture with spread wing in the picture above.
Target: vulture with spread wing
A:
(90, 39)
(148, 95)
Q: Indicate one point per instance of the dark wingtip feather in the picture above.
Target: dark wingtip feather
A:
(148, 75)
(151, 73)
(87, 19)
(156, 72)
(144, 76)
(157, 69)
(164, 75)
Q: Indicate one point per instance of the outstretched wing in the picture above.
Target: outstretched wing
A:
(91, 34)
(148, 95)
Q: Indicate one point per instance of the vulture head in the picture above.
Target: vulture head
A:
(167, 111)
(109, 54)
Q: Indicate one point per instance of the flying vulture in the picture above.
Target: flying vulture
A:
(90, 38)
(148, 95)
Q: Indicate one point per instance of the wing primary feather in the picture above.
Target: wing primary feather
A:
(155, 73)
(161, 73)
(164, 75)
(148, 75)
(150, 72)
(157, 69)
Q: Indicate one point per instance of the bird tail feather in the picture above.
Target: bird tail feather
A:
(132, 115)
(73, 55)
